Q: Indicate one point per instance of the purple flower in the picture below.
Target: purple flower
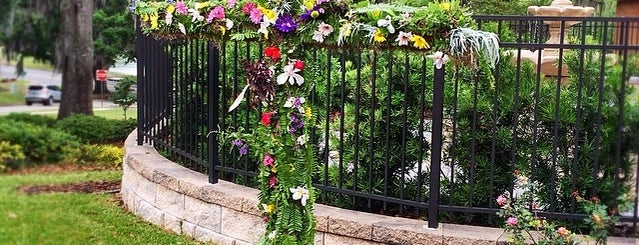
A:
(285, 23)
(132, 6)
(297, 103)
(181, 8)
(244, 150)
(238, 142)
(312, 13)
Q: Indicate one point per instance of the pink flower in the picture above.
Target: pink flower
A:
(272, 181)
(216, 13)
(256, 15)
(324, 29)
(403, 38)
(248, 7)
(512, 221)
(231, 3)
(181, 8)
(268, 160)
(501, 200)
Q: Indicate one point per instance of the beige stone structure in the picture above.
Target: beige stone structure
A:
(182, 201)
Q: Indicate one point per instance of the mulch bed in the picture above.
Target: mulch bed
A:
(82, 187)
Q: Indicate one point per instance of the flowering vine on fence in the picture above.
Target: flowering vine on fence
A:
(276, 83)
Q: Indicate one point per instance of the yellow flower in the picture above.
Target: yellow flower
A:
(419, 42)
(309, 4)
(445, 6)
(273, 169)
(144, 17)
(170, 9)
(270, 14)
(154, 21)
(308, 112)
(346, 29)
(379, 36)
(268, 208)
(223, 30)
(201, 5)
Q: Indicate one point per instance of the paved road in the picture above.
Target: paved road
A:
(34, 76)
(52, 109)
(50, 77)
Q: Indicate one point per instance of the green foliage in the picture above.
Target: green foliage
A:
(9, 155)
(123, 94)
(39, 144)
(93, 129)
(504, 7)
(114, 33)
(38, 120)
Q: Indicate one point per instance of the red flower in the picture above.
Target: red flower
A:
(273, 52)
(298, 65)
(266, 118)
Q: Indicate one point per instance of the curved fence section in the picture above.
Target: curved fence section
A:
(396, 136)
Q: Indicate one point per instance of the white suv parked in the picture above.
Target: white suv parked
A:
(45, 94)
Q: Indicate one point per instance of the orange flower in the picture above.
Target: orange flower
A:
(562, 231)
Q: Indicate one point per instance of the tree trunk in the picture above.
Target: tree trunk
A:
(76, 57)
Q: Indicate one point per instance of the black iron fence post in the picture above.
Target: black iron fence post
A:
(213, 109)
(141, 60)
(436, 149)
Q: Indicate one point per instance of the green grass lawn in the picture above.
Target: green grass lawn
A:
(12, 96)
(71, 218)
(116, 113)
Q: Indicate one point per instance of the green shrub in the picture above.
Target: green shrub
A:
(39, 144)
(10, 155)
(93, 129)
(40, 120)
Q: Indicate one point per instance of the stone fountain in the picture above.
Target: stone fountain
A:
(550, 56)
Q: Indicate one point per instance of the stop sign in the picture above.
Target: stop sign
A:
(101, 75)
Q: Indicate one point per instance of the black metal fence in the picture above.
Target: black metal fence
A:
(379, 112)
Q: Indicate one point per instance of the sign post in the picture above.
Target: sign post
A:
(101, 75)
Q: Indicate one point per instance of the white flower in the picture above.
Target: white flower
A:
(388, 23)
(403, 38)
(272, 235)
(318, 37)
(182, 28)
(264, 28)
(290, 75)
(439, 59)
(168, 18)
(195, 14)
(300, 193)
(302, 139)
(229, 24)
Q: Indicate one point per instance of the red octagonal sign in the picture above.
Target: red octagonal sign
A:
(101, 75)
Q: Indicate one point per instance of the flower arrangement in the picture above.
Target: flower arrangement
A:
(525, 227)
(276, 86)
(443, 26)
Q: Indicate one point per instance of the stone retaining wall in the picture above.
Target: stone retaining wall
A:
(181, 200)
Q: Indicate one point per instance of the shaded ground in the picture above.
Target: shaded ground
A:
(78, 187)
(82, 187)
